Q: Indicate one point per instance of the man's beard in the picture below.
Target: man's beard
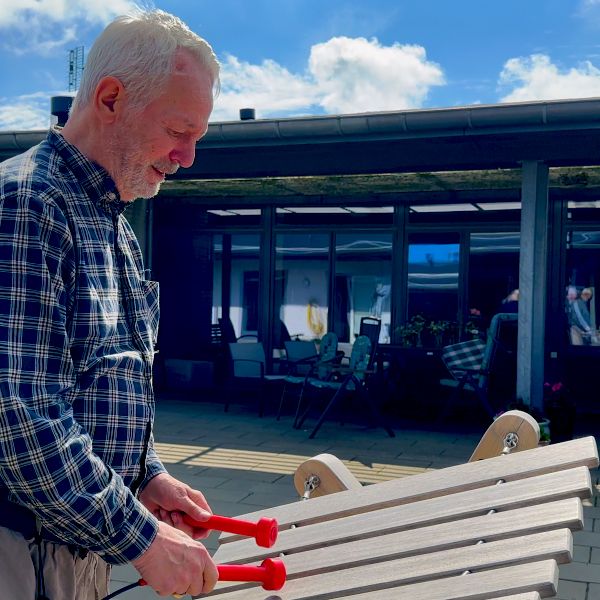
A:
(132, 168)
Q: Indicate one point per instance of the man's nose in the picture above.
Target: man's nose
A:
(184, 154)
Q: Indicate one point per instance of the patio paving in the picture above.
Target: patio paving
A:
(243, 463)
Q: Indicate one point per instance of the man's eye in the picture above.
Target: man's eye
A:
(174, 133)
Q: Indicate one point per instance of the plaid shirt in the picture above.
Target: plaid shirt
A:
(78, 325)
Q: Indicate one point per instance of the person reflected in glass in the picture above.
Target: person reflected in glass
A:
(510, 304)
(578, 314)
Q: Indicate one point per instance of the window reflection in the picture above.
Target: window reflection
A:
(493, 276)
(319, 216)
(583, 272)
(363, 271)
(301, 286)
(433, 276)
(236, 281)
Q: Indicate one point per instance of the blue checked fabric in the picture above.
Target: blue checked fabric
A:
(78, 325)
(463, 356)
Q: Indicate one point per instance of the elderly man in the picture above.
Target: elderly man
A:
(80, 483)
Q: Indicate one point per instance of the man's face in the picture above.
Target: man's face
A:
(162, 137)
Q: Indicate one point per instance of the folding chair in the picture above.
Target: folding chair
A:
(300, 358)
(328, 356)
(371, 327)
(248, 373)
(351, 380)
(494, 528)
(474, 365)
(228, 332)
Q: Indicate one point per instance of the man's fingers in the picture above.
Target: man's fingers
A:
(197, 533)
(211, 576)
(196, 512)
(199, 500)
(167, 517)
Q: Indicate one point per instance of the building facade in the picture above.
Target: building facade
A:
(431, 220)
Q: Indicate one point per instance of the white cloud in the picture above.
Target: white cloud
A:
(357, 75)
(343, 75)
(39, 26)
(20, 13)
(31, 111)
(587, 5)
(537, 78)
(268, 87)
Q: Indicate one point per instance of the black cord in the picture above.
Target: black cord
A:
(123, 589)
(41, 559)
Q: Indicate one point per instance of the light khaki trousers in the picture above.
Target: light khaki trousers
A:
(65, 576)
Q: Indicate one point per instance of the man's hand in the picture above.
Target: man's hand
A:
(168, 499)
(176, 564)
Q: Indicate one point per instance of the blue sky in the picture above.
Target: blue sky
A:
(299, 57)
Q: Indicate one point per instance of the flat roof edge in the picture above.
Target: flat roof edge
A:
(465, 120)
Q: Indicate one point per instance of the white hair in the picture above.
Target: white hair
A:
(139, 49)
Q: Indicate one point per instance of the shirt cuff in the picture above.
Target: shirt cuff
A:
(153, 468)
(134, 537)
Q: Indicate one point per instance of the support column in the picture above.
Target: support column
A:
(266, 301)
(532, 283)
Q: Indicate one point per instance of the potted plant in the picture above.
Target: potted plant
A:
(561, 410)
(437, 330)
(473, 324)
(410, 332)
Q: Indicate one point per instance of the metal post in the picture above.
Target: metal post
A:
(532, 282)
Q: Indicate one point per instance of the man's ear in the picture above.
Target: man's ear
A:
(108, 98)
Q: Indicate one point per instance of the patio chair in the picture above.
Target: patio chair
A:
(228, 332)
(345, 381)
(248, 373)
(476, 366)
(495, 528)
(319, 366)
(300, 358)
(371, 327)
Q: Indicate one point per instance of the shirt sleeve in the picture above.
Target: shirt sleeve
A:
(46, 458)
(154, 465)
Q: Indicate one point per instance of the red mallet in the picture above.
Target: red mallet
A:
(264, 531)
(271, 573)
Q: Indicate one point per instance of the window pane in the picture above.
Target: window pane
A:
(433, 276)
(233, 217)
(217, 289)
(236, 278)
(301, 286)
(583, 272)
(355, 216)
(363, 271)
(583, 211)
(469, 212)
(493, 277)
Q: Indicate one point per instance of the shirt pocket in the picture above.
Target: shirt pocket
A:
(147, 315)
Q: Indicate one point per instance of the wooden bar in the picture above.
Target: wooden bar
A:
(528, 596)
(506, 524)
(433, 484)
(472, 503)
(541, 577)
(557, 545)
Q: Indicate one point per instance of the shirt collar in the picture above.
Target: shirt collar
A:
(94, 179)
